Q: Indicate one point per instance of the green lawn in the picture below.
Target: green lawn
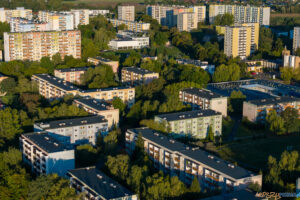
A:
(254, 153)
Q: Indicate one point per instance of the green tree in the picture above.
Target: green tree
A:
(275, 123)
(286, 73)
(8, 85)
(227, 73)
(118, 166)
(291, 120)
(9, 124)
(195, 186)
(226, 19)
(119, 104)
(210, 135)
(160, 38)
(133, 59)
(236, 100)
(86, 155)
(51, 187)
(111, 141)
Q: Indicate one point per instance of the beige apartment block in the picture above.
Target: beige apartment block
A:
(7, 14)
(136, 76)
(72, 75)
(126, 13)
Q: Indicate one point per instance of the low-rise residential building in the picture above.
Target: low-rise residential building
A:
(131, 25)
(97, 185)
(52, 87)
(195, 123)
(257, 66)
(198, 63)
(75, 131)
(71, 75)
(176, 158)
(104, 109)
(129, 40)
(99, 60)
(45, 154)
(204, 99)
(136, 76)
(125, 93)
(257, 110)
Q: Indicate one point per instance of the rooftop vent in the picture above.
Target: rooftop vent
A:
(231, 166)
(172, 141)
(62, 124)
(84, 122)
(156, 134)
(46, 138)
(104, 182)
(195, 148)
(210, 156)
(187, 148)
(55, 144)
(99, 176)
(161, 138)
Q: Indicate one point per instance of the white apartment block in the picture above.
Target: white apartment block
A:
(194, 124)
(76, 131)
(45, 154)
(81, 17)
(296, 38)
(131, 25)
(35, 45)
(186, 22)
(160, 12)
(5, 15)
(129, 40)
(177, 159)
(242, 14)
(126, 13)
(98, 12)
(57, 21)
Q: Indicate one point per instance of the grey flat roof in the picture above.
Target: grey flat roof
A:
(275, 100)
(188, 115)
(71, 122)
(104, 59)
(58, 82)
(46, 142)
(106, 89)
(73, 69)
(216, 163)
(138, 70)
(207, 94)
(93, 103)
(100, 183)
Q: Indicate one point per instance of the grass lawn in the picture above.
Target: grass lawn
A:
(253, 154)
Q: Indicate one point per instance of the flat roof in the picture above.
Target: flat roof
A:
(271, 101)
(93, 103)
(58, 82)
(71, 122)
(107, 89)
(73, 69)
(104, 59)
(204, 93)
(188, 115)
(100, 183)
(46, 142)
(215, 163)
(138, 70)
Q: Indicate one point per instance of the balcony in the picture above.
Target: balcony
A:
(212, 177)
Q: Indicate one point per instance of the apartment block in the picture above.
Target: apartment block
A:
(97, 185)
(195, 123)
(198, 63)
(137, 76)
(126, 94)
(18, 24)
(254, 35)
(159, 13)
(257, 110)
(126, 13)
(186, 22)
(81, 17)
(104, 109)
(45, 154)
(81, 130)
(242, 14)
(204, 99)
(177, 159)
(98, 12)
(35, 45)
(296, 38)
(99, 60)
(71, 75)
(237, 41)
(57, 21)
(6, 14)
(131, 25)
(291, 61)
(257, 66)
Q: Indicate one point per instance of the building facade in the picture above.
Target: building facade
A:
(186, 21)
(257, 110)
(6, 15)
(137, 76)
(177, 159)
(25, 25)
(257, 66)
(71, 75)
(104, 109)
(99, 60)
(237, 41)
(81, 17)
(291, 61)
(296, 38)
(242, 14)
(204, 99)
(35, 45)
(45, 154)
(126, 13)
(194, 124)
(131, 25)
(98, 12)
(97, 185)
(81, 130)
(57, 21)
